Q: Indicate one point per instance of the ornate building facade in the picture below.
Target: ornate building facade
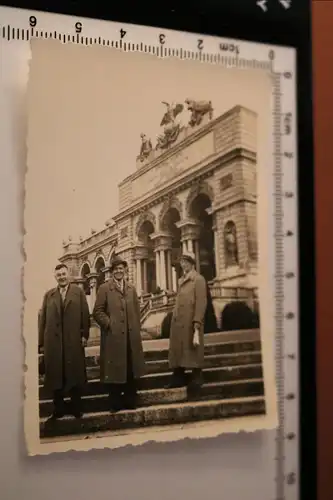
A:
(197, 191)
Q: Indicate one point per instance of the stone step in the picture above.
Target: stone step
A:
(160, 380)
(214, 361)
(92, 358)
(215, 390)
(224, 349)
(177, 413)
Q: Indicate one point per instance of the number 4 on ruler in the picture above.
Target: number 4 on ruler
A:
(262, 5)
(285, 3)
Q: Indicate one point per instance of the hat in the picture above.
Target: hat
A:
(117, 261)
(189, 256)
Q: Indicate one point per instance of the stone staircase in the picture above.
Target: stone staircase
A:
(233, 386)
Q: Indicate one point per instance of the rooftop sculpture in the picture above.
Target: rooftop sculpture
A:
(172, 127)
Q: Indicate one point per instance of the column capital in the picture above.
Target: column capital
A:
(106, 269)
(92, 276)
(163, 240)
(190, 229)
(189, 222)
(79, 281)
(140, 252)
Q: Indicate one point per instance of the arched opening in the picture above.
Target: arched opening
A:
(238, 316)
(84, 273)
(168, 224)
(256, 314)
(99, 266)
(199, 210)
(149, 272)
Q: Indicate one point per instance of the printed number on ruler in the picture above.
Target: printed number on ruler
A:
(20, 25)
(164, 43)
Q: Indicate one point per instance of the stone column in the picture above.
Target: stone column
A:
(190, 246)
(93, 288)
(162, 270)
(169, 269)
(138, 277)
(184, 246)
(162, 241)
(174, 279)
(107, 273)
(216, 251)
(197, 255)
(145, 276)
(80, 282)
(158, 274)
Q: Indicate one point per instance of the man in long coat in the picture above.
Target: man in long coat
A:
(63, 325)
(117, 312)
(186, 351)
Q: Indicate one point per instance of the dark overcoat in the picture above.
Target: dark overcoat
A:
(190, 308)
(118, 315)
(61, 329)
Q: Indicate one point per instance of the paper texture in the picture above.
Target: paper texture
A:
(148, 158)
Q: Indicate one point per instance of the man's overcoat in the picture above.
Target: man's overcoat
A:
(118, 315)
(61, 329)
(190, 308)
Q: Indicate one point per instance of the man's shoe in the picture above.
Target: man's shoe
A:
(77, 414)
(176, 384)
(116, 404)
(130, 402)
(57, 414)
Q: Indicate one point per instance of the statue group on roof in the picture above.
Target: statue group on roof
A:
(172, 127)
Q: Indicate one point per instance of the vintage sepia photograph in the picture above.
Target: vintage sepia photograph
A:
(148, 314)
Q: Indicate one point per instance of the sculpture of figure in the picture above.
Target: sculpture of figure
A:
(230, 241)
(146, 147)
(171, 127)
(198, 110)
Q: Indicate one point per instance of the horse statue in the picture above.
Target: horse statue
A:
(198, 110)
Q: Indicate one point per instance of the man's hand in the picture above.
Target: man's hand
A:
(84, 342)
(196, 340)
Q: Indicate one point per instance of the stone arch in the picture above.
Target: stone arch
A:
(99, 266)
(84, 271)
(84, 267)
(231, 257)
(172, 202)
(199, 188)
(198, 207)
(145, 217)
(99, 255)
(111, 254)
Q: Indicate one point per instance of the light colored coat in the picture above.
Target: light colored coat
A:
(190, 308)
(118, 315)
(60, 334)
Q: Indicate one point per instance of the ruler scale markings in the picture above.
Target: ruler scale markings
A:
(283, 128)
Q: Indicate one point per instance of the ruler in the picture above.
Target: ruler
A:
(19, 26)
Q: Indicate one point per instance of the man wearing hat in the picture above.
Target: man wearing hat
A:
(186, 351)
(117, 312)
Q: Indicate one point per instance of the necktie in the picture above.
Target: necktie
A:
(63, 294)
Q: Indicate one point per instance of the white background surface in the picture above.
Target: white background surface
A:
(240, 466)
